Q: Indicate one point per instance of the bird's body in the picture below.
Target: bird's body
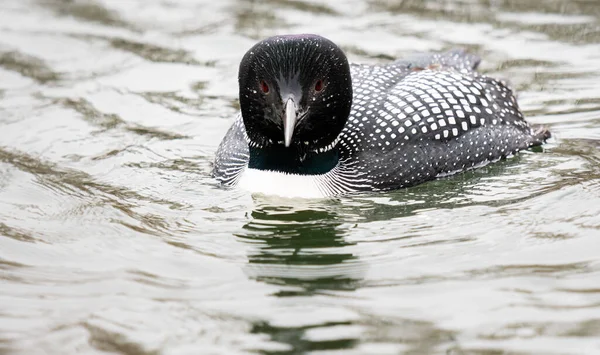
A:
(409, 121)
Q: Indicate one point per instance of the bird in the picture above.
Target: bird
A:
(313, 125)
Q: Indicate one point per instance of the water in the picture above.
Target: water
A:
(115, 240)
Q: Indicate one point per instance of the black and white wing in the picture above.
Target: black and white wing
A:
(232, 155)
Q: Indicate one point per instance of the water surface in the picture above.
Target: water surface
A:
(115, 240)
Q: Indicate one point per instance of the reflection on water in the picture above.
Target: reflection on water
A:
(303, 249)
(114, 238)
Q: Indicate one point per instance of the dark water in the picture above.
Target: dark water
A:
(115, 240)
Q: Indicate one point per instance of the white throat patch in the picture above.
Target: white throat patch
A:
(270, 182)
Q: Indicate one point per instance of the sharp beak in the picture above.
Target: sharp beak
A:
(289, 121)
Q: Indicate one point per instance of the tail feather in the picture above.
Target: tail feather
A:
(540, 135)
(456, 58)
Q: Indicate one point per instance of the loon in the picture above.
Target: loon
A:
(313, 125)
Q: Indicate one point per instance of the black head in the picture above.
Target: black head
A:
(295, 91)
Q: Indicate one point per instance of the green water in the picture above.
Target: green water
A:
(115, 240)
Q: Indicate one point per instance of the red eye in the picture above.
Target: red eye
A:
(264, 87)
(319, 85)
